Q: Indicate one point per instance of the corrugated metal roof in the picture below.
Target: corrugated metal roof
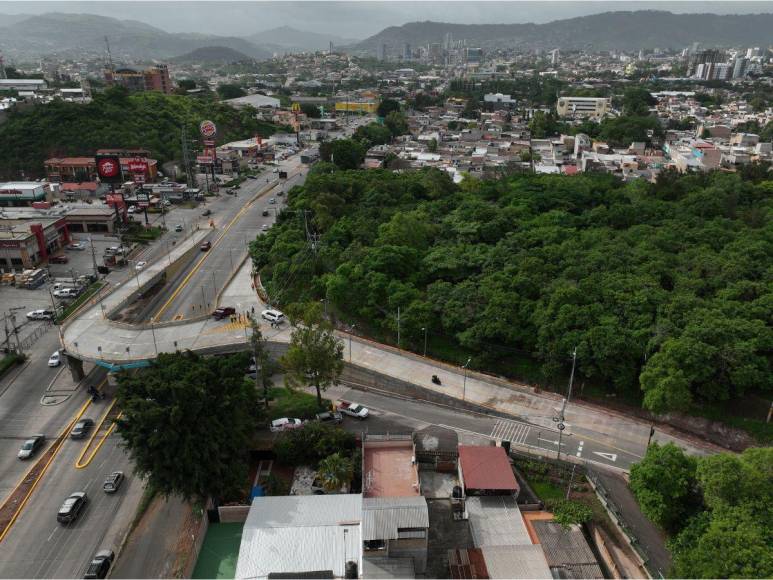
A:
(382, 516)
(485, 467)
(567, 550)
(295, 534)
(516, 562)
(496, 521)
(385, 567)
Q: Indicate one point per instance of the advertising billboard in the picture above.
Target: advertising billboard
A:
(109, 168)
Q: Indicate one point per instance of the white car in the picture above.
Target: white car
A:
(54, 360)
(285, 424)
(140, 266)
(272, 316)
(66, 293)
(76, 246)
(264, 227)
(40, 315)
(131, 209)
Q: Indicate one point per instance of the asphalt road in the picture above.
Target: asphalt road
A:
(39, 547)
(21, 411)
(235, 226)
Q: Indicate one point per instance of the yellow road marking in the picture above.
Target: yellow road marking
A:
(61, 438)
(79, 462)
(195, 268)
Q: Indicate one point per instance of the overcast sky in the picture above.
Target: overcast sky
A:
(353, 19)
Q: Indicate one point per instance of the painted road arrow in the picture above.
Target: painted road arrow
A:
(609, 456)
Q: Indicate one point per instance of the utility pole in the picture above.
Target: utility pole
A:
(93, 256)
(398, 327)
(189, 179)
(464, 388)
(561, 415)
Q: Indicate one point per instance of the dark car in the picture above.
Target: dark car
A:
(223, 311)
(206, 212)
(265, 212)
(60, 259)
(205, 246)
(81, 429)
(72, 507)
(113, 482)
(100, 564)
(330, 417)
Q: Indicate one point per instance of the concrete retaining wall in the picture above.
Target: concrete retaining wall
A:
(233, 514)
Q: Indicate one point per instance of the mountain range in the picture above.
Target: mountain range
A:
(73, 35)
(287, 39)
(606, 31)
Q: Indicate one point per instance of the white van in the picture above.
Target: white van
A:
(273, 316)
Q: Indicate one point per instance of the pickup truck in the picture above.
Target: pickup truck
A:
(353, 410)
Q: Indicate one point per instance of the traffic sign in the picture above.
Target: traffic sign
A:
(204, 159)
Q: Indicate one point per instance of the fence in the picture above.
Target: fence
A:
(27, 342)
(616, 514)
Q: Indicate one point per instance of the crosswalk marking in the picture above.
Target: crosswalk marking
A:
(227, 327)
(510, 431)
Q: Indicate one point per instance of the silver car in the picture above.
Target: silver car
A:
(31, 446)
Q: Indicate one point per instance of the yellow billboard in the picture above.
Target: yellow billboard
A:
(356, 107)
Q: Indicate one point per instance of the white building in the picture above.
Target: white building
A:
(583, 106)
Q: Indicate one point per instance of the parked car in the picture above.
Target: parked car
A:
(66, 293)
(353, 410)
(205, 246)
(265, 212)
(113, 482)
(31, 446)
(330, 417)
(131, 209)
(272, 200)
(72, 507)
(206, 212)
(80, 246)
(81, 429)
(285, 423)
(60, 259)
(223, 311)
(178, 228)
(140, 265)
(100, 564)
(264, 227)
(272, 316)
(54, 360)
(40, 315)
(280, 193)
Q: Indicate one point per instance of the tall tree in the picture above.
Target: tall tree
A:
(187, 421)
(664, 485)
(315, 354)
(262, 360)
(387, 106)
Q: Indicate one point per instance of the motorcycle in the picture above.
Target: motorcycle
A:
(435, 379)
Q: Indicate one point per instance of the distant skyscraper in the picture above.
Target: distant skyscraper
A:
(407, 51)
(555, 57)
(382, 52)
(330, 51)
(641, 54)
(740, 66)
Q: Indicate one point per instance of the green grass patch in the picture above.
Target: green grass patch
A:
(144, 235)
(284, 402)
(547, 491)
(88, 293)
(9, 361)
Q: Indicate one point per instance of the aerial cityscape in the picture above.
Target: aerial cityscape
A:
(386, 289)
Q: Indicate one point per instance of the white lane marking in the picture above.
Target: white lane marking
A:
(52, 533)
(609, 456)
(510, 431)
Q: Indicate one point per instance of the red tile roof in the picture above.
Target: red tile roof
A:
(486, 468)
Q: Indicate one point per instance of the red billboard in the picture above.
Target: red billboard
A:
(138, 165)
(109, 168)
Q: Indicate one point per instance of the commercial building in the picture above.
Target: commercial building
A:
(77, 169)
(23, 193)
(25, 243)
(155, 78)
(369, 107)
(22, 84)
(583, 106)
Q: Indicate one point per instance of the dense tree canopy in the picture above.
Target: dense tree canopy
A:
(230, 91)
(115, 119)
(669, 281)
(717, 508)
(187, 421)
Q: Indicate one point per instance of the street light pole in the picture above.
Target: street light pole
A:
(425, 340)
(464, 388)
(561, 415)
(350, 341)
